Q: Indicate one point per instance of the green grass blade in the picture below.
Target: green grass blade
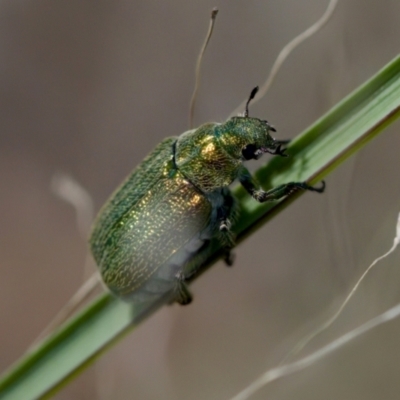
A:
(316, 152)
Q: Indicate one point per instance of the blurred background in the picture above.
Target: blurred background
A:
(90, 87)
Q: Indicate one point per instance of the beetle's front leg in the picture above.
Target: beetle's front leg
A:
(276, 193)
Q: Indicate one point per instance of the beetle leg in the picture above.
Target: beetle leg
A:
(284, 190)
(182, 293)
(226, 214)
(225, 224)
(229, 257)
(276, 193)
(227, 238)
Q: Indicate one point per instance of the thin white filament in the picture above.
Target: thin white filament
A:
(286, 51)
(290, 368)
(299, 346)
(69, 190)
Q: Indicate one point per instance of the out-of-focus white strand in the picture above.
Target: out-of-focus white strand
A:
(287, 369)
(285, 52)
(302, 343)
(69, 190)
(397, 238)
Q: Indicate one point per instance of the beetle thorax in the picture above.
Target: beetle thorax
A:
(202, 158)
(239, 132)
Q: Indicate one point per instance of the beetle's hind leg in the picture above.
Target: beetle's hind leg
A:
(196, 253)
(224, 215)
(182, 292)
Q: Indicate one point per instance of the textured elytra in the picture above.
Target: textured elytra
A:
(149, 218)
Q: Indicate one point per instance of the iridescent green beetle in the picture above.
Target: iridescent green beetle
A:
(161, 219)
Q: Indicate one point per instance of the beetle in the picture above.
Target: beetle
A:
(160, 221)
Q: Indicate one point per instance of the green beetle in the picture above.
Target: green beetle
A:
(161, 219)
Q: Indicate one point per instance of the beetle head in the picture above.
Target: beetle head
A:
(252, 137)
(254, 134)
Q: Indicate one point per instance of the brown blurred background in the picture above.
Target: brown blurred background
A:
(90, 87)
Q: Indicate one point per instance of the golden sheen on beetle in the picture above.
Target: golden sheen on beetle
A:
(159, 222)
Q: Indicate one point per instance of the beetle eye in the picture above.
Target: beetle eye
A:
(249, 152)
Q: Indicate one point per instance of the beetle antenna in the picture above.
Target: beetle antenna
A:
(214, 13)
(251, 97)
(288, 49)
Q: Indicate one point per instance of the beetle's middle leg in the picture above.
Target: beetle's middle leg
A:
(226, 215)
(223, 216)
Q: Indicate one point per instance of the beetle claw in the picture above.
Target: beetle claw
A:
(229, 258)
(279, 151)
